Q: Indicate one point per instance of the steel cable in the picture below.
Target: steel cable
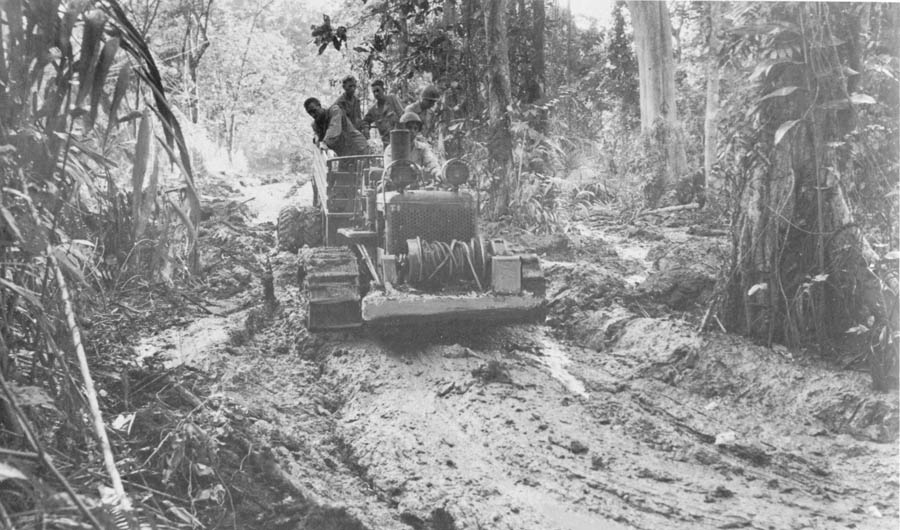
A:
(445, 263)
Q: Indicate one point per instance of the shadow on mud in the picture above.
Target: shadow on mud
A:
(409, 340)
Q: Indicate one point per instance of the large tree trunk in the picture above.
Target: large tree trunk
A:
(800, 271)
(711, 121)
(499, 98)
(659, 118)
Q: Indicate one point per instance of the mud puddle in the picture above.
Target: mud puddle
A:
(554, 357)
(267, 200)
(193, 344)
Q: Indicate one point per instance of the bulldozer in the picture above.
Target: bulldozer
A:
(380, 248)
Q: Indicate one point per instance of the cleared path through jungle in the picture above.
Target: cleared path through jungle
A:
(606, 417)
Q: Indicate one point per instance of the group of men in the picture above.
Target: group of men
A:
(343, 129)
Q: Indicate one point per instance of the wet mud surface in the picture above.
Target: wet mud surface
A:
(616, 413)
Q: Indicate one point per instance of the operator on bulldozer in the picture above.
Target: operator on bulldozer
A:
(420, 153)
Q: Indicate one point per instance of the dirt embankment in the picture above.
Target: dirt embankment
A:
(616, 414)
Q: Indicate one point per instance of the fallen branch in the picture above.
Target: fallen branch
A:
(669, 209)
(5, 517)
(707, 232)
(719, 322)
(198, 303)
(90, 391)
(19, 454)
(706, 316)
(144, 487)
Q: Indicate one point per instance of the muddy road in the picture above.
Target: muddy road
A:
(615, 413)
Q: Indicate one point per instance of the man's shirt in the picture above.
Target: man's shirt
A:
(421, 155)
(384, 117)
(339, 134)
(351, 108)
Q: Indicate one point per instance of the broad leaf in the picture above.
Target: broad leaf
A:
(757, 287)
(781, 92)
(103, 66)
(148, 199)
(90, 48)
(24, 292)
(861, 99)
(68, 264)
(10, 222)
(9, 472)
(783, 129)
(141, 159)
(122, 82)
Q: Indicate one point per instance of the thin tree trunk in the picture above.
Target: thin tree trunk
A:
(538, 68)
(711, 122)
(194, 46)
(499, 98)
(403, 52)
(471, 106)
(229, 138)
(569, 60)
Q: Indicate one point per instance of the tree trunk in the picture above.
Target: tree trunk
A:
(538, 68)
(472, 104)
(801, 267)
(403, 52)
(194, 44)
(569, 60)
(499, 97)
(538, 79)
(449, 18)
(659, 119)
(711, 122)
(229, 136)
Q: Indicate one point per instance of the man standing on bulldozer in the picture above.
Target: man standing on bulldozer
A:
(333, 128)
(349, 102)
(425, 109)
(384, 114)
(420, 152)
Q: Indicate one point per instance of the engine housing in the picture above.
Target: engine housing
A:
(432, 215)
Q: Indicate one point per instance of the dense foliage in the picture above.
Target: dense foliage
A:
(88, 143)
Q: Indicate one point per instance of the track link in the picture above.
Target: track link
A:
(332, 289)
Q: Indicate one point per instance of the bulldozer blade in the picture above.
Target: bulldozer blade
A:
(379, 308)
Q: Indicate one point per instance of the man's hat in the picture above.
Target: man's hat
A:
(410, 117)
(431, 93)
